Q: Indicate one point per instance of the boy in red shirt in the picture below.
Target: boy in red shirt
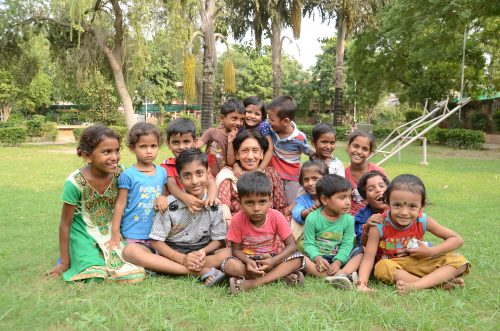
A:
(254, 234)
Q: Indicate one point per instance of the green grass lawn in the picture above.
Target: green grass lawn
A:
(464, 194)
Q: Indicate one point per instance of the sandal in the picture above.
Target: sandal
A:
(234, 286)
(219, 276)
(339, 281)
(298, 280)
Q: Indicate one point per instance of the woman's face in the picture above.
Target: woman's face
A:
(249, 154)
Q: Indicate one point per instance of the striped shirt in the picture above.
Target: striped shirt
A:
(287, 152)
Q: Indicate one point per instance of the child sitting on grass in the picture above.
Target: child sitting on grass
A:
(329, 233)
(181, 135)
(139, 186)
(254, 234)
(184, 242)
(417, 266)
(323, 140)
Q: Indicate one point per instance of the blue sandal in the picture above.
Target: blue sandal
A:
(219, 276)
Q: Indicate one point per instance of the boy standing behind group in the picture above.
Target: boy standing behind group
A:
(289, 143)
(232, 114)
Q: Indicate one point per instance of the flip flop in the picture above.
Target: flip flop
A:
(234, 286)
(219, 276)
(339, 281)
(294, 281)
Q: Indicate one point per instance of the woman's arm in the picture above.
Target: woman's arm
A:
(68, 211)
(366, 266)
(451, 241)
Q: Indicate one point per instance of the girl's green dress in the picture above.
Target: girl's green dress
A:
(90, 231)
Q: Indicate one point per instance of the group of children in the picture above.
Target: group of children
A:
(340, 223)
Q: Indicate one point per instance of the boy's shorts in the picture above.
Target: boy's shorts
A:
(143, 242)
(355, 251)
(386, 268)
(295, 255)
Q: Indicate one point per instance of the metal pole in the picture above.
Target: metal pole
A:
(146, 118)
(463, 67)
(424, 150)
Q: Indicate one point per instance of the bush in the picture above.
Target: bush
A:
(16, 118)
(6, 125)
(456, 138)
(496, 119)
(381, 133)
(50, 131)
(121, 130)
(35, 126)
(78, 133)
(410, 115)
(465, 139)
(342, 131)
(12, 136)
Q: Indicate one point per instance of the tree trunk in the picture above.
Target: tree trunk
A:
(258, 29)
(5, 110)
(276, 44)
(338, 107)
(209, 61)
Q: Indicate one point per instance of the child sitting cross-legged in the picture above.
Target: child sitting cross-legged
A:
(329, 233)
(184, 242)
(254, 234)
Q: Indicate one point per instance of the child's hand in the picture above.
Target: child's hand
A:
(266, 264)
(375, 219)
(114, 241)
(421, 251)
(58, 270)
(211, 201)
(192, 261)
(193, 203)
(316, 205)
(253, 268)
(202, 256)
(161, 203)
(237, 171)
(321, 264)
(232, 135)
(334, 268)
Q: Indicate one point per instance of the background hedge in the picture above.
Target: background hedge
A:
(456, 138)
(12, 136)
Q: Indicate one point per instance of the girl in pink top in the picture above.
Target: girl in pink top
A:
(360, 145)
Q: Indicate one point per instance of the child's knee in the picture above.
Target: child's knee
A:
(384, 270)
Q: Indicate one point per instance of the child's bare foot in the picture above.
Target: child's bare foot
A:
(454, 283)
(403, 287)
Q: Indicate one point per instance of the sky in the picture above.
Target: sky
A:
(306, 47)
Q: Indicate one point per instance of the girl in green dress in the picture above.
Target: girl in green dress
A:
(89, 196)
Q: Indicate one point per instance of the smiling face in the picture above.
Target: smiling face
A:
(179, 142)
(278, 125)
(249, 154)
(405, 207)
(194, 178)
(375, 189)
(256, 206)
(253, 116)
(310, 177)
(104, 158)
(146, 149)
(359, 150)
(232, 121)
(325, 145)
(337, 204)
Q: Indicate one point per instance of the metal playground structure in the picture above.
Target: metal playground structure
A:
(405, 134)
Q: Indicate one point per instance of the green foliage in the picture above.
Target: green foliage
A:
(381, 132)
(341, 131)
(456, 138)
(480, 121)
(16, 118)
(78, 133)
(12, 136)
(35, 126)
(122, 131)
(6, 125)
(412, 115)
(50, 131)
(323, 75)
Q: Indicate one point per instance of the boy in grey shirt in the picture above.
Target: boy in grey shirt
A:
(184, 242)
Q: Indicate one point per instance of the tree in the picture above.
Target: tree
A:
(351, 17)
(105, 22)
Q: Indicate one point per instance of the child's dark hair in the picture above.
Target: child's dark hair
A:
(322, 168)
(285, 107)
(364, 179)
(248, 133)
(254, 182)
(406, 182)
(188, 156)
(331, 184)
(360, 133)
(142, 129)
(93, 136)
(181, 126)
(256, 101)
(322, 128)
(232, 105)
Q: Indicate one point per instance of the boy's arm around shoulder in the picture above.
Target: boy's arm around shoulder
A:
(452, 241)
(205, 137)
